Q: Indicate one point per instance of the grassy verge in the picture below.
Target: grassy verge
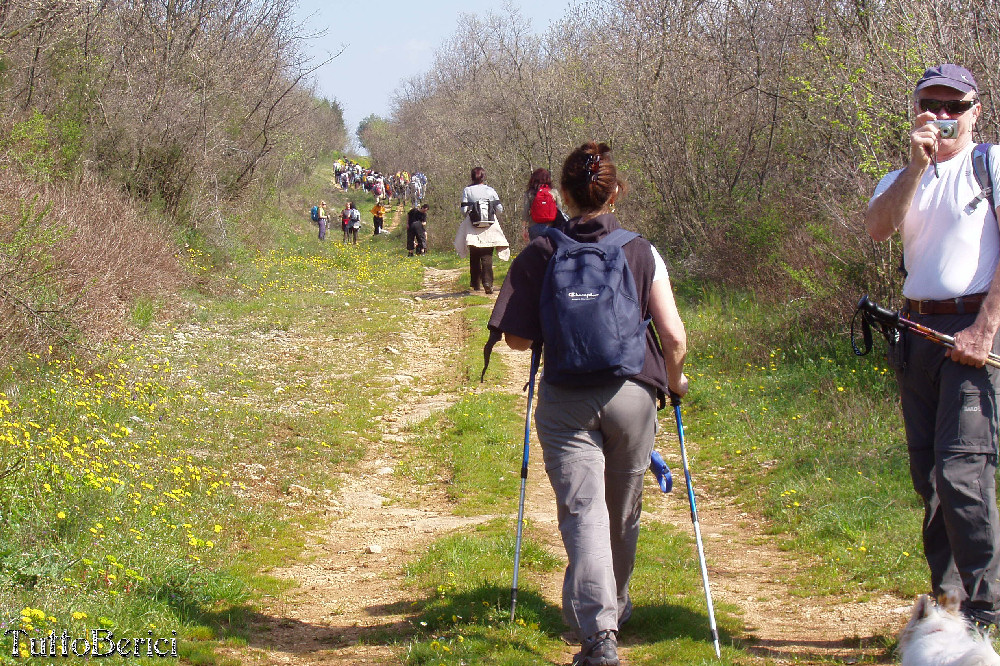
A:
(143, 490)
(801, 431)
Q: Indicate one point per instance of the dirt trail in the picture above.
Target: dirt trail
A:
(350, 606)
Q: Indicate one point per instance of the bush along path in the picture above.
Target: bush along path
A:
(328, 482)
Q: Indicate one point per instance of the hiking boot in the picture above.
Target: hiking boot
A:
(488, 290)
(982, 622)
(982, 630)
(601, 649)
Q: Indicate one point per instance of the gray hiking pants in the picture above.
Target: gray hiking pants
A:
(950, 413)
(596, 443)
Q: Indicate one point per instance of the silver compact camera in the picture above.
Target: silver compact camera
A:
(947, 129)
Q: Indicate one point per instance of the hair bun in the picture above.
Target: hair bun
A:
(593, 166)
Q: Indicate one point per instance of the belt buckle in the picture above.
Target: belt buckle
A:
(920, 307)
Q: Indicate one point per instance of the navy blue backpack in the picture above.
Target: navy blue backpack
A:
(592, 325)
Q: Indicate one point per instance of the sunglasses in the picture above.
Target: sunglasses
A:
(954, 107)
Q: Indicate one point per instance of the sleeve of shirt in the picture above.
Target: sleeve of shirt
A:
(496, 196)
(994, 159)
(887, 180)
(516, 308)
(660, 267)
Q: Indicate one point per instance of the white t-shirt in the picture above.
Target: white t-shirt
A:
(659, 267)
(949, 250)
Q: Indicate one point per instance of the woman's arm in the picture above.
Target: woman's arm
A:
(673, 337)
(516, 342)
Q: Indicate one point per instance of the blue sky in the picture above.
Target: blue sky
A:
(390, 41)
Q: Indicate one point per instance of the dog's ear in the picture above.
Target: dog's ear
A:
(950, 601)
(921, 608)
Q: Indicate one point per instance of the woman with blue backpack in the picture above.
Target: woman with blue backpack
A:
(586, 291)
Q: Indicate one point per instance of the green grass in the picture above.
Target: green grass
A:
(808, 435)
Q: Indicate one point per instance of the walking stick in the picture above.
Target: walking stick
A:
(536, 353)
(675, 400)
(890, 322)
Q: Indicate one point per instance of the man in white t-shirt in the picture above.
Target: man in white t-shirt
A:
(951, 249)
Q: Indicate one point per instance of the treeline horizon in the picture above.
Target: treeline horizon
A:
(131, 127)
(751, 133)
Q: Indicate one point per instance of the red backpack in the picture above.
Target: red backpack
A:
(543, 208)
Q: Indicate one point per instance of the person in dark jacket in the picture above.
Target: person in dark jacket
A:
(596, 439)
(416, 230)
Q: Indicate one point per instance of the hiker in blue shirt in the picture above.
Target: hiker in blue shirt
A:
(597, 436)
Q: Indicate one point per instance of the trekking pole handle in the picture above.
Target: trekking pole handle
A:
(895, 320)
(675, 399)
(882, 315)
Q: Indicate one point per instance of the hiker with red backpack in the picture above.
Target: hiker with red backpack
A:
(586, 292)
(542, 205)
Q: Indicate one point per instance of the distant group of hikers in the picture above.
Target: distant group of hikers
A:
(400, 186)
(350, 220)
(595, 301)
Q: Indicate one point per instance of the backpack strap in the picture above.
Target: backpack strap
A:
(981, 171)
(619, 237)
(495, 336)
(558, 238)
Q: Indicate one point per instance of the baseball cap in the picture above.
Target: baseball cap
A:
(947, 74)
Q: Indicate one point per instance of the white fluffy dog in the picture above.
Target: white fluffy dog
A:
(938, 635)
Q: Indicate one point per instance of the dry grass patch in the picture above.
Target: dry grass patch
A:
(74, 258)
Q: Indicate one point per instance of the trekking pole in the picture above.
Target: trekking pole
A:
(675, 400)
(536, 353)
(894, 320)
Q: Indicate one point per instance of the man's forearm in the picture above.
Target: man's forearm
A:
(988, 319)
(973, 344)
(885, 214)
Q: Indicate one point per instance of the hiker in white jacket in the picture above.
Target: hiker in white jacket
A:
(477, 240)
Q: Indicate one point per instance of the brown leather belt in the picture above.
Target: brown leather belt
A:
(961, 305)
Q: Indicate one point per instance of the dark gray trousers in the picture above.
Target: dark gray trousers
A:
(480, 267)
(596, 444)
(950, 413)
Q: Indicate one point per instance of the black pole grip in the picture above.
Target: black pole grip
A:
(877, 313)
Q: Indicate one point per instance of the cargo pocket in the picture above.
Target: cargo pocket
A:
(977, 421)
